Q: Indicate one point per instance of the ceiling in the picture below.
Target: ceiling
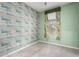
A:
(40, 6)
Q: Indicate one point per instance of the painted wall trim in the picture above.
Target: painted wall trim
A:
(60, 45)
(20, 49)
(35, 43)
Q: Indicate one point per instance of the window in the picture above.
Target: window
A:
(53, 24)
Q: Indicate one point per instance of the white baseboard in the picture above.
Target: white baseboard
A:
(60, 45)
(19, 49)
(35, 43)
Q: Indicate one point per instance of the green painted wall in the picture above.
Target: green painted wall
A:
(41, 26)
(69, 26)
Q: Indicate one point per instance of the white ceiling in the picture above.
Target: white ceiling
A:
(39, 6)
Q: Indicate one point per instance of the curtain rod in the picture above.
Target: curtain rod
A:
(53, 10)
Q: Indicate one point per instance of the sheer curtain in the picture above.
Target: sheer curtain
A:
(52, 25)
